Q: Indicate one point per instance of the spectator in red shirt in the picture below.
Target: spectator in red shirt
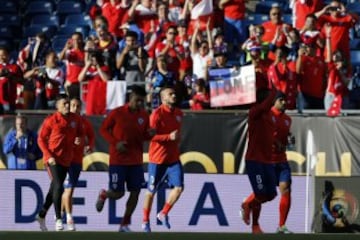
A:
(144, 14)
(97, 74)
(86, 145)
(200, 99)
(126, 128)
(282, 135)
(310, 34)
(182, 39)
(164, 157)
(74, 56)
(302, 8)
(115, 11)
(10, 77)
(58, 134)
(258, 158)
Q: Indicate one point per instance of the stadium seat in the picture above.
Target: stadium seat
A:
(68, 30)
(78, 19)
(353, 7)
(287, 18)
(10, 20)
(355, 57)
(6, 32)
(264, 7)
(69, 7)
(8, 7)
(355, 44)
(7, 43)
(45, 19)
(257, 19)
(58, 43)
(32, 30)
(39, 7)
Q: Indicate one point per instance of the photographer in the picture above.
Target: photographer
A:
(132, 59)
(48, 80)
(10, 76)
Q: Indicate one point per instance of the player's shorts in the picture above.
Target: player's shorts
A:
(132, 175)
(172, 175)
(283, 172)
(262, 178)
(73, 175)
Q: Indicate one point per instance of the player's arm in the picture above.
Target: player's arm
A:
(9, 143)
(265, 106)
(107, 127)
(154, 124)
(43, 138)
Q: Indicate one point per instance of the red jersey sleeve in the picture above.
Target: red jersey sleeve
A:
(108, 124)
(43, 138)
(154, 123)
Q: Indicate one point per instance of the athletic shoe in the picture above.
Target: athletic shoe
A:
(146, 227)
(70, 225)
(124, 228)
(256, 229)
(42, 223)
(283, 229)
(101, 200)
(164, 219)
(59, 225)
(245, 213)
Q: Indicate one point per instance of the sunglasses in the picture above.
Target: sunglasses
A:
(275, 14)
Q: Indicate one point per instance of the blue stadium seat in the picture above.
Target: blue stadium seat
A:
(32, 30)
(6, 32)
(45, 19)
(78, 19)
(257, 19)
(10, 20)
(353, 7)
(69, 7)
(8, 7)
(68, 30)
(287, 18)
(7, 43)
(355, 44)
(355, 57)
(38, 7)
(58, 43)
(264, 7)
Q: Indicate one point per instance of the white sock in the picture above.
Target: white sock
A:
(68, 216)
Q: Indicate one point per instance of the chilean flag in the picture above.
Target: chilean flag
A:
(201, 12)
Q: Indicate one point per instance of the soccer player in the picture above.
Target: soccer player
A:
(86, 146)
(282, 135)
(259, 168)
(126, 128)
(164, 157)
(58, 134)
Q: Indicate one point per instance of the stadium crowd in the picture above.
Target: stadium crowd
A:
(175, 43)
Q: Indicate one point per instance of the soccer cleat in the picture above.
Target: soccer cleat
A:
(146, 227)
(70, 225)
(245, 213)
(42, 223)
(59, 225)
(164, 219)
(283, 229)
(101, 200)
(256, 229)
(124, 228)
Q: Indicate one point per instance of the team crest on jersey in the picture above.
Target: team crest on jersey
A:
(73, 124)
(140, 121)
(287, 122)
(178, 118)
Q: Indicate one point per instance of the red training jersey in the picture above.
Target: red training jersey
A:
(165, 120)
(8, 86)
(282, 124)
(75, 61)
(57, 137)
(124, 125)
(235, 9)
(88, 140)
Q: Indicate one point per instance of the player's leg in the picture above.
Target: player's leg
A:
(156, 173)
(116, 188)
(175, 177)
(284, 176)
(69, 187)
(134, 181)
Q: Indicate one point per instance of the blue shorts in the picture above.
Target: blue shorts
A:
(73, 175)
(133, 176)
(262, 178)
(283, 172)
(172, 175)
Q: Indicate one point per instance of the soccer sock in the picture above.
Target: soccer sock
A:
(146, 215)
(126, 220)
(256, 209)
(68, 216)
(166, 209)
(284, 207)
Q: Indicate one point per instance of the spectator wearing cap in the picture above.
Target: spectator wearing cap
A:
(255, 40)
(201, 52)
(132, 59)
(183, 40)
(171, 50)
(200, 100)
(302, 8)
(274, 29)
(282, 74)
(234, 15)
(311, 71)
(341, 22)
(310, 34)
(336, 96)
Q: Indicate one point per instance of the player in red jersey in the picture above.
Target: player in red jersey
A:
(126, 128)
(282, 135)
(86, 146)
(58, 134)
(258, 158)
(164, 154)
